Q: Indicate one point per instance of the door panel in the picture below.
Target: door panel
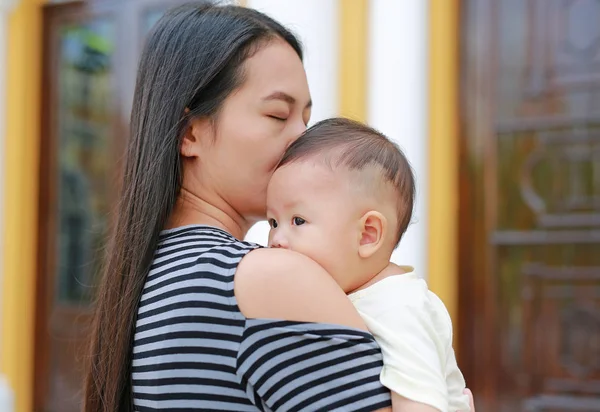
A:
(530, 204)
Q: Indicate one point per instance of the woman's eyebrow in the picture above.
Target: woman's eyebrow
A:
(279, 95)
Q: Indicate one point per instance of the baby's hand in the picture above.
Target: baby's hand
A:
(468, 392)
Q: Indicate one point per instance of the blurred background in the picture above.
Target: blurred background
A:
(495, 102)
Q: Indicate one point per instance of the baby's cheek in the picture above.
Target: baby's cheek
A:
(317, 249)
(299, 243)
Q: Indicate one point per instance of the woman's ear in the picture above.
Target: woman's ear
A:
(373, 230)
(196, 134)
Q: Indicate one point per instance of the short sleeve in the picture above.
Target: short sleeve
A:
(296, 366)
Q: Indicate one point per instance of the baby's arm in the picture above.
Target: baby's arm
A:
(414, 330)
(457, 400)
(402, 404)
(399, 316)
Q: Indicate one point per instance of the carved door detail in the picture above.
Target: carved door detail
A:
(530, 204)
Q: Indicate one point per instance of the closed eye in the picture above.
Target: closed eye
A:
(280, 119)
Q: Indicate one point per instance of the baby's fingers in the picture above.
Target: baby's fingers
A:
(468, 392)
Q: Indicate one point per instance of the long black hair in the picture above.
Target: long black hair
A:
(193, 59)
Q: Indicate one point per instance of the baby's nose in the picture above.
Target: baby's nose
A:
(279, 241)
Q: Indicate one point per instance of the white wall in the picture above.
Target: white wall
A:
(315, 22)
(396, 86)
(397, 105)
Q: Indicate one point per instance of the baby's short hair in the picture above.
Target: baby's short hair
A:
(353, 145)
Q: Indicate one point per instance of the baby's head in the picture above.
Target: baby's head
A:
(342, 195)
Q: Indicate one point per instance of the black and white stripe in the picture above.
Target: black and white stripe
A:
(194, 350)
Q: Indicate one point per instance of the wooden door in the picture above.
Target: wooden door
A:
(90, 56)
(530, 204)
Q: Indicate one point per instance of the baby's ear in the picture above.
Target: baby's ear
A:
(373, 229)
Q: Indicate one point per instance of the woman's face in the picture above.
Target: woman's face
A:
(238, 152)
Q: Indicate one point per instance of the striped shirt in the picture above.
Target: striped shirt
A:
(194, 349)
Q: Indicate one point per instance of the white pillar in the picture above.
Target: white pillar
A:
(6, 394)
(315, 22)
(397, 101)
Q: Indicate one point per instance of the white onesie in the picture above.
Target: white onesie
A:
(414, 330)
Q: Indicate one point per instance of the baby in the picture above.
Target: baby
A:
(343, 195)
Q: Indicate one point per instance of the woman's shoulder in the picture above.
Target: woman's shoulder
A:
(202, 235)
(197, 246)
(282, 284)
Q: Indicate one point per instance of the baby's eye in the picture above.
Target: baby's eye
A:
(273, 223)
(298, 221)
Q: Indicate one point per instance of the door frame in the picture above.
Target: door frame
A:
(477, 335)
(20, 195)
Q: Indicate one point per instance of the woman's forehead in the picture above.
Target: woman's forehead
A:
(277, 71)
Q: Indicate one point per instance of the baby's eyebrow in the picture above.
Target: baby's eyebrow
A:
(290, 204)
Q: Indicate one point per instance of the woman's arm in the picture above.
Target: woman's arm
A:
(281, 284)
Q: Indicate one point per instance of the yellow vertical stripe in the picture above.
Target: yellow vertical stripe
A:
(19, 240)
(353, 59)
(443, 151)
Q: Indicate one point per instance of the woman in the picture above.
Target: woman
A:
(187, 314)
